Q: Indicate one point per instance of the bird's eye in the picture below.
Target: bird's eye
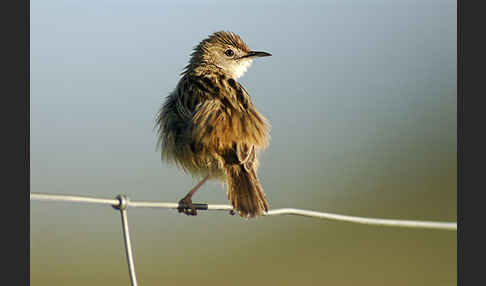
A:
(229, 52)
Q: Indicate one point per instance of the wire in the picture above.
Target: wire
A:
(284, 211)
(75, 199)
(122, 206)
(365, 220)
(122, 203)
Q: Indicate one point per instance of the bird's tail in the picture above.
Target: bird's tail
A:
(245, 192)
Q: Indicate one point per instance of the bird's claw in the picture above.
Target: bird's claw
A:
(186, 206)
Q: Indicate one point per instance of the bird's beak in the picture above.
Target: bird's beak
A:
(254, 54)
(259, 54)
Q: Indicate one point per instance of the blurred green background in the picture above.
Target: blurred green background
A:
(362, 100)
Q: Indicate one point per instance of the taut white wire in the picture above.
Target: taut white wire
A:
(284, 211)
(75, 199)
(122, 206)
(365, 220)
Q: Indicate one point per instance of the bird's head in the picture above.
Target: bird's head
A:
(226, 51)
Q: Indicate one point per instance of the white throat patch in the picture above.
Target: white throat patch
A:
(242, 68)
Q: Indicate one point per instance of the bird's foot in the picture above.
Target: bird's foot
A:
(186, 206)
(232, 212)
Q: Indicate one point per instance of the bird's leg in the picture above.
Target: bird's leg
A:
(185, 204)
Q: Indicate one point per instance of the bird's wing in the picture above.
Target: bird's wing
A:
(239, 154)
(225, 133)
(227, 117)
(246, 155)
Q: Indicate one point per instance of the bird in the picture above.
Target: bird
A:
(209, 127)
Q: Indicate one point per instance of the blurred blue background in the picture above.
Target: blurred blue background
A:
(361, 96)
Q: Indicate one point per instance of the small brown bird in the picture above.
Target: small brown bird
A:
(209, 126)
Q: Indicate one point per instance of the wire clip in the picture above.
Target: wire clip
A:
(123, 205)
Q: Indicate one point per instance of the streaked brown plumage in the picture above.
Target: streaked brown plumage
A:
(209, 126)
